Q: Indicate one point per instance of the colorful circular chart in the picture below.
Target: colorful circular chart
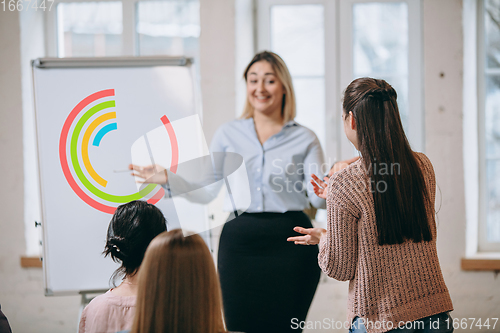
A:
(79, 127)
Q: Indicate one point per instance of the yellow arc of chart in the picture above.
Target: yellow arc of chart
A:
(85, 146)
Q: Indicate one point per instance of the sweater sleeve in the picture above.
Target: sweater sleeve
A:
(338, 254)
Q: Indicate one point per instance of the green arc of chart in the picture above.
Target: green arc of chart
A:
(78, 170)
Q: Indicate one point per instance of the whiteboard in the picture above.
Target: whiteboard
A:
(89, 115)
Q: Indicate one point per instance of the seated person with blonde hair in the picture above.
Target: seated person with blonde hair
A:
(179, 290)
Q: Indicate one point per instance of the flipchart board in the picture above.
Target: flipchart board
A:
(93, 118)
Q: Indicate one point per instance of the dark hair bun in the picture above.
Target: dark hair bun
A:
(382, 93)
(132, 227)
(116, 247)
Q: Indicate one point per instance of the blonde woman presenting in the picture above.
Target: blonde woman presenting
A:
(257, 266)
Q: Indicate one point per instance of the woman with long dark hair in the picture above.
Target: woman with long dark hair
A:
(132, 227)
(381, 231)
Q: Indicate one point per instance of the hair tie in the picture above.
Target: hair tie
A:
(385, 95)
(382, 94)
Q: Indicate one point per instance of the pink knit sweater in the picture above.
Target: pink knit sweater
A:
(389, 283)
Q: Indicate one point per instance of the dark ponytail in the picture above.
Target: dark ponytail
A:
(396, 180)
(132, 227)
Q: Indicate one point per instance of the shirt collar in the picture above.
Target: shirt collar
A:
(289, 123)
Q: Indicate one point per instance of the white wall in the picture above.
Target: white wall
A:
(32, 47)
(21, 290)
(474, 294)
(244, 47)
(217, 63)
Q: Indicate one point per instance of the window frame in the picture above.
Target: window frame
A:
(416, 121)
(130, 42)
(129, 20)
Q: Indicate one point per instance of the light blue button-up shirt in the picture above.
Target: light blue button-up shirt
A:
(279, 171)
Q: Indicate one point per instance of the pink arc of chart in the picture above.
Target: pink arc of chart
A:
(64, 159)
(173, 143)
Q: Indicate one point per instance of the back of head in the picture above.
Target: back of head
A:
(132, 227)
(396, 181)
(179, 289)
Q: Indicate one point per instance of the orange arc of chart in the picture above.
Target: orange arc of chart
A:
(85, 146)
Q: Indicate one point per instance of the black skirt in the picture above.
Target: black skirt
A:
(267, 283)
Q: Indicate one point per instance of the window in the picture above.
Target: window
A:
(383, 39)
(168, 28)
(124, 28)
(380, 46)
(489, 125)
(90, 29)
(299, 32)
(326, 44)
(303, 25)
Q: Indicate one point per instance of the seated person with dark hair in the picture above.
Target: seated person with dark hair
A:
(132, 228)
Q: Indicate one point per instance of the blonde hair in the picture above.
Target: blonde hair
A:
(179, 290)
(288, 109)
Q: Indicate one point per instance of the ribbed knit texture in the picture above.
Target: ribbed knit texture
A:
(389, 283)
